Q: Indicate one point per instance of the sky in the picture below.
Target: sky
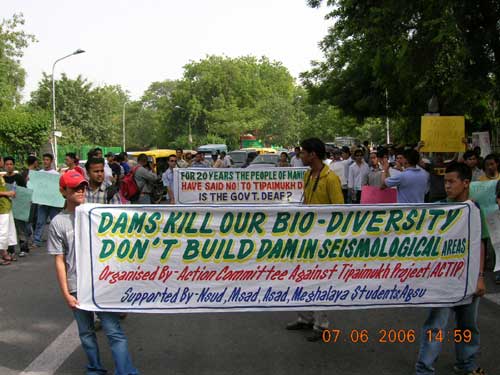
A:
(133, 43)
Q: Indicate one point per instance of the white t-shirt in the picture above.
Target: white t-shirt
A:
(338, 167)
(108, 173)
(296, 162)
(52, 171)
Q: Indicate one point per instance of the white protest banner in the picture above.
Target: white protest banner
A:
(238, 185)
(45, 188)
(493, 222)
(170, 259)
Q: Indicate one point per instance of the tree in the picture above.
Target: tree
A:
(85, 115)
(226, 97)
(12, 43)
(23, 130)
(407, 52)
(327, 122)
(147, 119)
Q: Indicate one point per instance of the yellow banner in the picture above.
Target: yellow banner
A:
(442, 133)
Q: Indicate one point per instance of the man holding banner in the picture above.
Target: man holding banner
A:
(61, 244)
(457, 179)
(321, 186)
(43, 210)
(15, 179)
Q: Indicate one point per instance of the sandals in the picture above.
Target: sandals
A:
(4, 262)
(9, 258)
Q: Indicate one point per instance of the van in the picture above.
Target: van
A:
(239, 157)
(212, 149)
(157, 158)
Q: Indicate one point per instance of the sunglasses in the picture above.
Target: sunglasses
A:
(81, 187)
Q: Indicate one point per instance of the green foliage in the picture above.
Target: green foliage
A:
(143, 127)
(23, 130)
(411, 51)
(327, 122)
(12, 43)
(227, 97)
(85, 115)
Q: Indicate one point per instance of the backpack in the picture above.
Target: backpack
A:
(111, 191)
(158, 192)
(128, 186)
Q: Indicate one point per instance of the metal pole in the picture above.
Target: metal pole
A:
(388, 138)
(123, 127)
(190, 138)
(54, 138)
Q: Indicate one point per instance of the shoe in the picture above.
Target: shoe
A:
(316, 335)
(296, 326)
(478, 371)
(22, 254)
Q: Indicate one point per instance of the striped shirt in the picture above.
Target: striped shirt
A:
(99, 195)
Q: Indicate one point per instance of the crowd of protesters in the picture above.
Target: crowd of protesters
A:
(334, 177)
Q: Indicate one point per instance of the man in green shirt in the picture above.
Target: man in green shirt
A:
(8, 235)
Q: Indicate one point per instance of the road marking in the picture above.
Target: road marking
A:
(494, 297)
(55, 354)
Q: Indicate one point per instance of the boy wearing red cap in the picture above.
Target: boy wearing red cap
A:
(61, 244)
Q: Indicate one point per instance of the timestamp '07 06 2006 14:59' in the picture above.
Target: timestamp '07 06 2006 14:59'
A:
(392, 336)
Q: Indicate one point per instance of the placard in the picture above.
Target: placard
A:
(376, 195)
(493, 223)
(484, 193)
(45, 188)
(238, 185)
(442, 133)
(21, 204)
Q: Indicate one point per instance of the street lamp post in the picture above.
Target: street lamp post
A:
(54, 136)
(190, 137)
(123, 126)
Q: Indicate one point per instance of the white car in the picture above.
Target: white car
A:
(265, 161)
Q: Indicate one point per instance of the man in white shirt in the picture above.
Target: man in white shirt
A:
(338, 167)
(226, 160)
(296, 160)
(357, 174)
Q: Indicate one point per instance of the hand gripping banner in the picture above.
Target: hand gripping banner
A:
(170, 259)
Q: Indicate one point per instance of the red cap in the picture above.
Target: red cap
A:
(72, 179)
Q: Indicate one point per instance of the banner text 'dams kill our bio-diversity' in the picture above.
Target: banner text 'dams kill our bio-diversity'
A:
(241, 236)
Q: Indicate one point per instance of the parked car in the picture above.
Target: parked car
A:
(239, 157)
(265, 161)
(261, 150)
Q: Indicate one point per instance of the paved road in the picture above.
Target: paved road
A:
(37, 336)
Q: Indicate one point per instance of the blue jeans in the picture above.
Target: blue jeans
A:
(110, 322)
(42, 213)
(466, 353)
(144, 199)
